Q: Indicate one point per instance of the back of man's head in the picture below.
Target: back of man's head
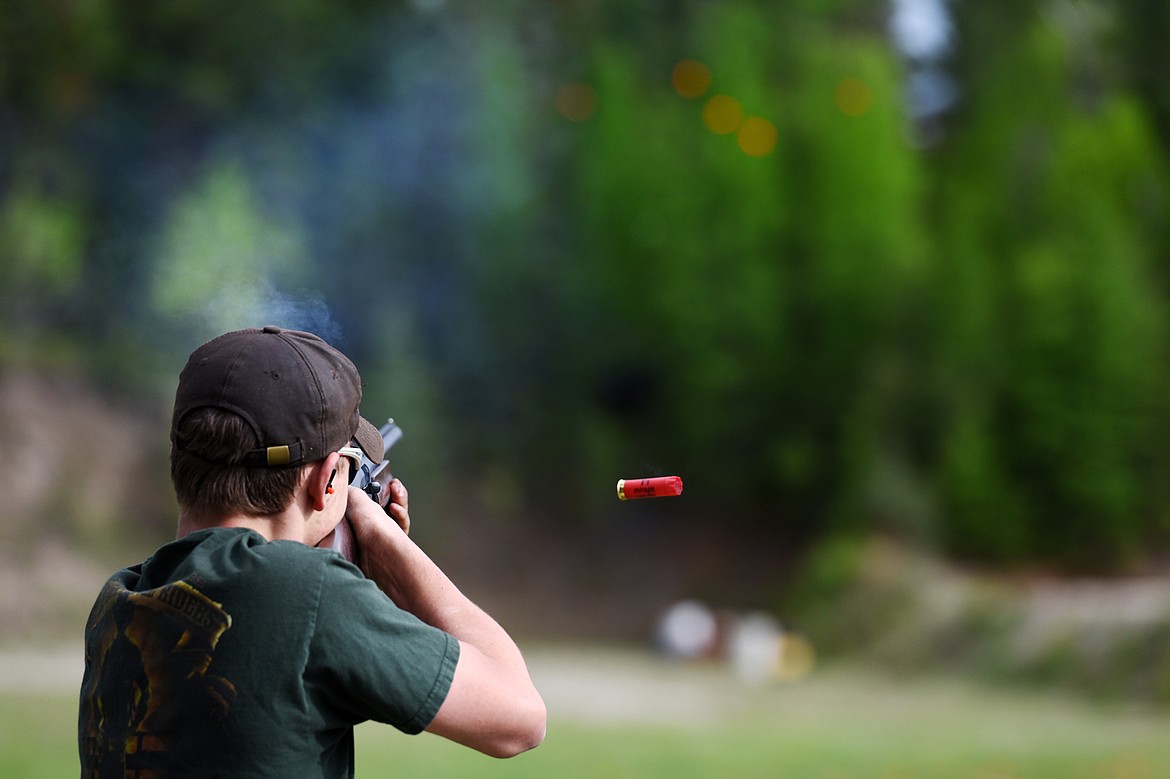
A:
(209, 477)
(252, 407)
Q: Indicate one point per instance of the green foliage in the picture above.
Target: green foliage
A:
(1052, 335)
(43, 248)
(751, 298)
(220, 255)
(822, 325)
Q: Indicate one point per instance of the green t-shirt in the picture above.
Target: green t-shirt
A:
(225, 654)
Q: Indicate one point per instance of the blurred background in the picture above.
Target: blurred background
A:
(885, 283)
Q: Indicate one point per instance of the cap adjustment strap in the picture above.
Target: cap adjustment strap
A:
(273, 456)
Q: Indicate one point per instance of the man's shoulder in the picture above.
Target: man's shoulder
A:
(242, 541)
(240, 548)
(226, 554)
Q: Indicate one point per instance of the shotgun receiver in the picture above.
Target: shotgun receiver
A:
(372, 477)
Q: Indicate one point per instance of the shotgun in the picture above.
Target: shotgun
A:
(373, 479)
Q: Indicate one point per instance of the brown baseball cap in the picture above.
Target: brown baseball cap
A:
(299, 394)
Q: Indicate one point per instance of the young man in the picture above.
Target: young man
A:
(241, 649)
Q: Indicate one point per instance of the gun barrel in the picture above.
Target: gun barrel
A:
(391, 434)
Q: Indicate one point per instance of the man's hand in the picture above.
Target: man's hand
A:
(377, 538)
(394, 499)
(396, 504)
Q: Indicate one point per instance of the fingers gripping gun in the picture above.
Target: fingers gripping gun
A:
(374, 478)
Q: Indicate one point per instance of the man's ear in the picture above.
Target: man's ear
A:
(319, 481)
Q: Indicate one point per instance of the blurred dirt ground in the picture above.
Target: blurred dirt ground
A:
(87, 504)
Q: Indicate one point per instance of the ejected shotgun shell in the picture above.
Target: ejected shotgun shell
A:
(657, 487)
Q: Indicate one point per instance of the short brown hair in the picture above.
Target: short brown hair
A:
(208, 477)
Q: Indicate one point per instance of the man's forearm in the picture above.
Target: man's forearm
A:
(493, 705)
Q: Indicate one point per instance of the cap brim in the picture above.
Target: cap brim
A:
(370, 440)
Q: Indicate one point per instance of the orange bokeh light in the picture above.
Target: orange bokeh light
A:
(757, 136)
(722, 114)
(690, 78)
(576, 102)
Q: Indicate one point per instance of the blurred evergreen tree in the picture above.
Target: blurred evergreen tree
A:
(1050, 193)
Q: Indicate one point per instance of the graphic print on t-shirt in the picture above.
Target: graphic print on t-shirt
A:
(149, 678)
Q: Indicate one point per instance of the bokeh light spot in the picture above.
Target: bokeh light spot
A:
(757, 136)
(722, 114)
(690, 78)
(853, 97)
(576, 102)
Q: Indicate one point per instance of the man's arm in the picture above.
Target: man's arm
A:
(492, 705)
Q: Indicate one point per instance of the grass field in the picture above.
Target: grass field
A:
(615, 715)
